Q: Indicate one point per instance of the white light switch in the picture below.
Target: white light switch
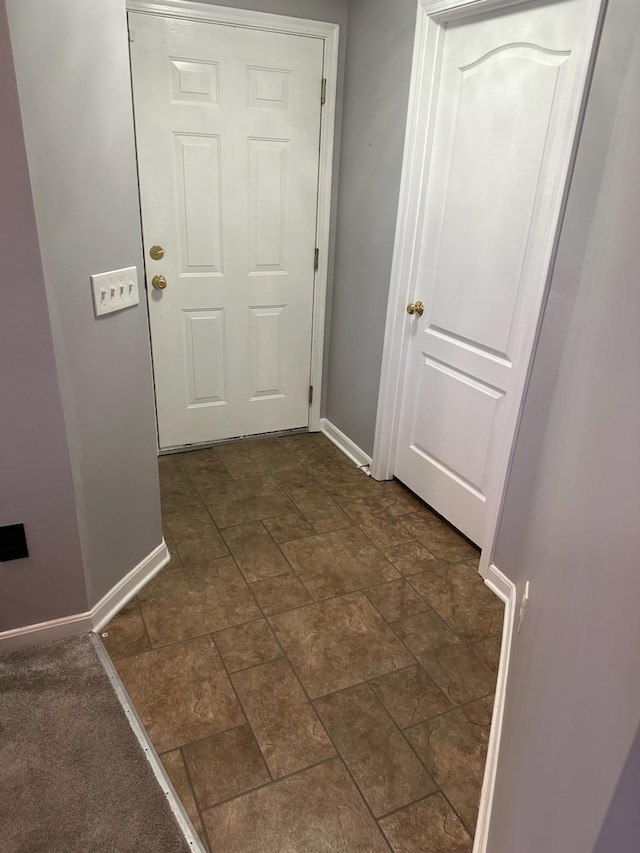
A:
(115, 290)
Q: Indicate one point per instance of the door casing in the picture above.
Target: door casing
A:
(330, 34)
(433, 16)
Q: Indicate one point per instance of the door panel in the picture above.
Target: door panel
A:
(205, 357)
(228, 128)
(199, 180)
(507, 80)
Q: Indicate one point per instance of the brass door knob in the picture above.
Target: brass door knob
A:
(159, 282)
(416, 308)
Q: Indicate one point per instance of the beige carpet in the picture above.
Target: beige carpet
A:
(73, 777)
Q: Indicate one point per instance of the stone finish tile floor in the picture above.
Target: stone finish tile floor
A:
(316, 665)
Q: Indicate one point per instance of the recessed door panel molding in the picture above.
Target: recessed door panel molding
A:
(195, 82)
(442, 431)
(199, 186)
(267, 334)
(503, 108)
(268, 199)
(496, 99)
(205, 365)
(231, 141)
(268, 88)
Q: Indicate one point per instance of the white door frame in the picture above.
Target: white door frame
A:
(433, 15)
(330, 34)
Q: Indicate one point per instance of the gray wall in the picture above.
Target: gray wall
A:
(621, 829)
(35, 474)
(571, 517)
(71, 61)
(378, 71)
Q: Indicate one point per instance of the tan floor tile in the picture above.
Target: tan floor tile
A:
(186, 524)
(410, 558)
(256, 458)
(204, 467)
(177, 492)
(335, 563)
(195, 536)
(396, 600)
(180, 500)
(300, 492)
(397, 499)
(377, 524)
(293, 478)
(410, 696)
(278, 595)
(196, 600)
(318, 508)
(308, 450)
(174, 765)
(383, 765)
(255, 552)
(460, 596)
(286, 726)
(241, 501)
(126, 634)
(439, 538)
(181, 693)
(339, 643)
(489, 651)
(344, 482)
(208, 546)
(451, 664)
(169, 463)
(430, 826)
(288, 527)
(453, 747)
(318, 811)
(225, 765)
(247, 645)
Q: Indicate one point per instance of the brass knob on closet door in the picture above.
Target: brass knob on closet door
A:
(159, 282)
(416, 308)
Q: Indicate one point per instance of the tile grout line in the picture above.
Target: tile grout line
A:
(402, 733)
(244, 711)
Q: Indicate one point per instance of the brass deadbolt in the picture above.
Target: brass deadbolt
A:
(157, 253)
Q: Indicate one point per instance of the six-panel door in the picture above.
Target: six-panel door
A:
(227, 128)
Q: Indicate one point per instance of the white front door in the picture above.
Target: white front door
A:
(508, 81)
(227, 128)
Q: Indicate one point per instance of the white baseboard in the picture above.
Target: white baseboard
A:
(44, 632)
(505, 590)
(348, 447)
(97, 617)
(123, 592)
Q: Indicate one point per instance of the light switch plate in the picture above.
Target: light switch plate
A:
(115, 290)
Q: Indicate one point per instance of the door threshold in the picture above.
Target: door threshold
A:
(168, 451)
